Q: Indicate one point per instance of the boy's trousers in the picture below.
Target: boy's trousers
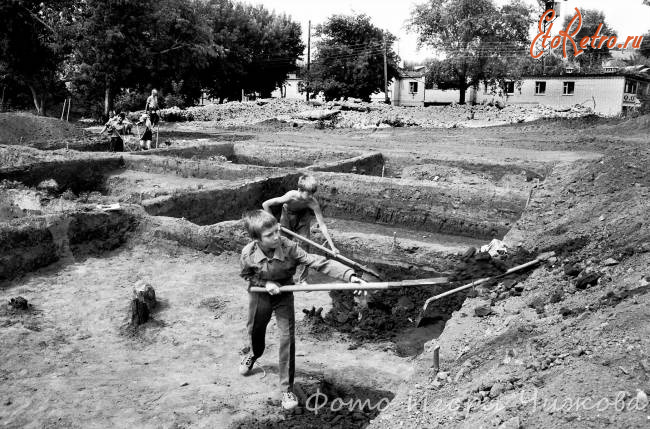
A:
(260, 308)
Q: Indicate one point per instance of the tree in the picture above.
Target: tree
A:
(255, 49)
(180, 45)
(592, 59)
(349, 59)
(32, 45)
(645, 45)
(478, 40)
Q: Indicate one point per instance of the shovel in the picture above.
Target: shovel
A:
(540, 258)
(337, 256)
(358, 286)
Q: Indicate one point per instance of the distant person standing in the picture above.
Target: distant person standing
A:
(152, 107)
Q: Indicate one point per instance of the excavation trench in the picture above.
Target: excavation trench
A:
(413, 227)
(405, 229)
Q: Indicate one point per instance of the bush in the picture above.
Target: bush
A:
(175, 100)
(130, 101)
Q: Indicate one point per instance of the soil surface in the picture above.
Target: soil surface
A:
(565, 345)
(71, 361)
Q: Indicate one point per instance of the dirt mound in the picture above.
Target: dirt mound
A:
(365, 115)
(630, 126)
(32, 130)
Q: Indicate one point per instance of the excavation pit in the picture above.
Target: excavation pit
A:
(178, 230)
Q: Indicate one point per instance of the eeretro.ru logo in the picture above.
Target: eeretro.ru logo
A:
(567, 36)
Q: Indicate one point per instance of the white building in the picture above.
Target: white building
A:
(607, 94)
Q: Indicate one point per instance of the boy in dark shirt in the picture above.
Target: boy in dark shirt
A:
(270, 261)
(299, 207)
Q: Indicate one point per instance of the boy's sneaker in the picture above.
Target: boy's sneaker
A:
(289, 401)
(246, 364)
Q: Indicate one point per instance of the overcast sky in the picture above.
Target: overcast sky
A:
(627, 17)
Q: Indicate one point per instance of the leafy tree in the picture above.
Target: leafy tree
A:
(349, 59)
(592, 59)
(32, 45)
(645, 45)
(180, 48)
(111, 49)
(254, 49)
(478, 40)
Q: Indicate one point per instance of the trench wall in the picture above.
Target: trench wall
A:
(78, 175)
(395, 165)
(199, 168)
(472, 211)
(367, 164)
(212, 206)
(201, 151)
(39, 241)
(260, 153)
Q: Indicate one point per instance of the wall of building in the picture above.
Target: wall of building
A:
(289, 89)
(402, 96)
(603, 94)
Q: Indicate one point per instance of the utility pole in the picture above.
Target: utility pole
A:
(386, 99)
(308, 58)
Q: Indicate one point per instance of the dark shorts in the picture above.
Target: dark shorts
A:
(154, 118)
(148, 135)
(116, 144)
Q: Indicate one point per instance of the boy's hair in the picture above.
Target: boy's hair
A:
(307, 183)
(258, 220)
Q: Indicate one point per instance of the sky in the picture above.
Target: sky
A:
(626, 17)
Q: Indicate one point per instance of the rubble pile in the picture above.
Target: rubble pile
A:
(360, 115)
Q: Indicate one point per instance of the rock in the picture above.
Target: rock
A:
(48, 185)
(483, 309)
(513, 423)
(585, 279)
(19, 303)
(610, 261)
(571, 270)
(641, 400)
(497, 389)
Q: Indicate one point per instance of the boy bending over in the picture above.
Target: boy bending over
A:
(270, 261)
(298, 209)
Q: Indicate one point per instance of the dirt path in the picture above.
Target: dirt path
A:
(68, 364)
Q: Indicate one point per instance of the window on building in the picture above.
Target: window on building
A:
(540, 88)
(630, 87)
(510, 87)
(413, 87)
(569, 88)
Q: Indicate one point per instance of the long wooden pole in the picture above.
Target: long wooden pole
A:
(539, 259)
(359, 286)
(338, 256)
(308, 59)
(386, 99)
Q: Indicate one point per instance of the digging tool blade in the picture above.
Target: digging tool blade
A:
(540, 258)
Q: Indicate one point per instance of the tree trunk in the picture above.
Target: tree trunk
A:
(462, 87)
(462, 90)
(107, 101)
(2, 99)
(39, 107)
